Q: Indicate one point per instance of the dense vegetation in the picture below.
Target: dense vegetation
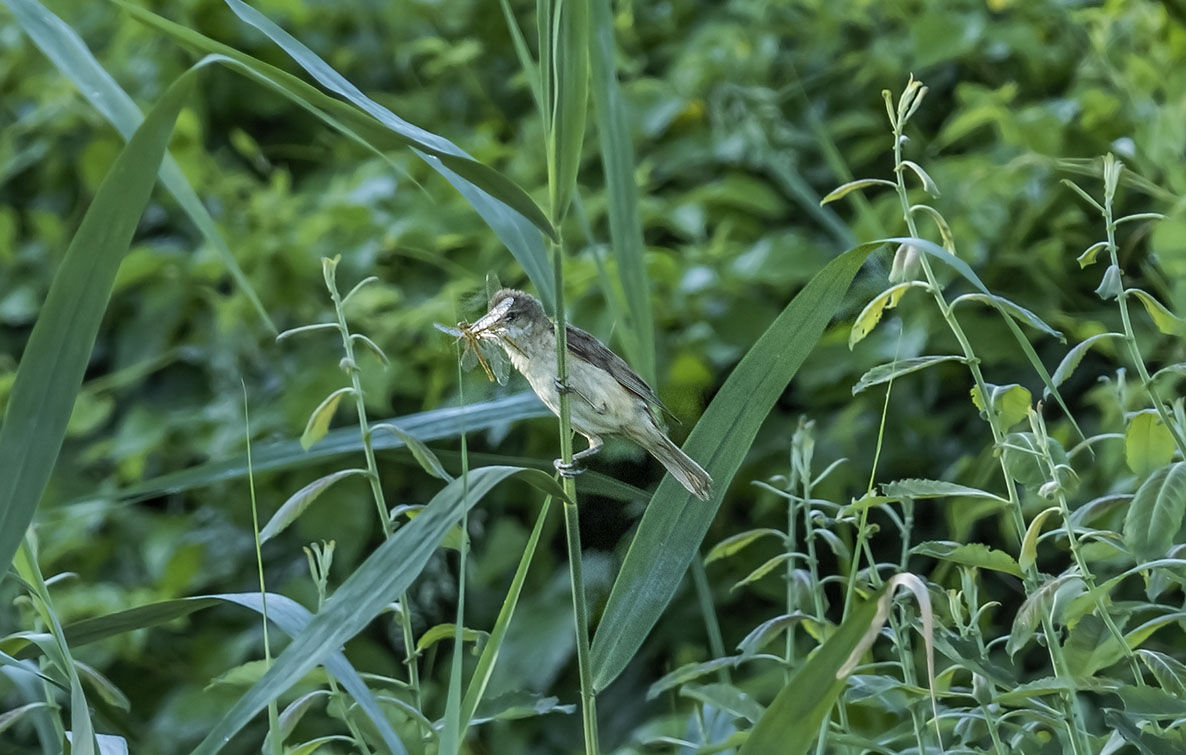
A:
(990, 416)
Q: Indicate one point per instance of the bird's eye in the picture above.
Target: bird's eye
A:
(511, 317)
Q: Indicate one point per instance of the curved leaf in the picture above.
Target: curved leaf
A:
(883, 373)
(300, 500)
(1068, 364)
(976, 555)
(1167, 322)
(674, 524)
(56, 355)
(1006, 307)
(62, 45)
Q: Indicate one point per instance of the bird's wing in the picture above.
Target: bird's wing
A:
(588, 348)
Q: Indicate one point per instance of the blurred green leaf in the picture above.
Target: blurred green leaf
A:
(675, 523)
(60, 345)
(976, 555)
(1148, 443)
(378, 581)
(1155, 514)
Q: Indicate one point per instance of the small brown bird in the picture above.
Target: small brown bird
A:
(607, 397)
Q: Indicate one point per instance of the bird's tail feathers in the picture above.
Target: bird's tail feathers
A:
(681, 466)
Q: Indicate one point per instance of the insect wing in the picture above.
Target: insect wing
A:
(496, 359)
(447, 330)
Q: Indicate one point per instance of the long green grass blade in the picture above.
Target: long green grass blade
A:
(570, 62)
(617, 160)
(56, 355)
(82, 729)
(790, 724)
(374, 584)
(485, 667)
(675, 522)
(69, 53)
(508, 209)
(424, 426)
(291, 617)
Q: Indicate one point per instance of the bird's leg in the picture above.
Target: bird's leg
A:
(575, 468)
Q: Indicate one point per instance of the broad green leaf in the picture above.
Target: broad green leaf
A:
(675, 522)
(1155, 514)
(1090, 647)
(1152, 702)
(1148, 443)
(300, 500)
(726, 697)
(612, 116)
(1029, 544)
(318, 424)
(1037, 605)
(883, 373)
(424, 426)
(285, 613)
(62, 45)
(1166, 321)
(378, 581)
(1088, 257)
(976, 555)
(448, 631)
(917, 489)
(1009, 309)
(863, 183)
(1010, 403)
(871, 314)
(1075, 356)
(735, 543)
(56, 355)
(506, 208)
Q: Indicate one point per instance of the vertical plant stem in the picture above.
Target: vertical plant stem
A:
(716, 641)
(1130, 339)
(1073, 716)
(277, 746)
(351, 367)
(572, 519)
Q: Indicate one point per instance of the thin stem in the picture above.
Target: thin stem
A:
(572, 519)
(716, 641)
(277, 746)
(351, 367)
(1073, 716)
(1130, 338)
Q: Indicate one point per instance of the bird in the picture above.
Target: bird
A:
(607, 398)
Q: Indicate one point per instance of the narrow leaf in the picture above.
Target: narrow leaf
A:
(1029, 544)
(928, 184)
(863, 183)
(975, 555)
(674, 524)
(1068, 364)
(883, 373)
(916, 489)
(1166, 321)
(377, 582)
(871, 314)
(735, 543)
(301, 500)
(58, 350)
(1008, 308)
(318, 424)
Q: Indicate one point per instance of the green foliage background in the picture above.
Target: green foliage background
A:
(743, 115)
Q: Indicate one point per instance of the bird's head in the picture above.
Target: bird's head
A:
(515, 315)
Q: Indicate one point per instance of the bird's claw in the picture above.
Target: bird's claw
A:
(567, 470)
(561, 387)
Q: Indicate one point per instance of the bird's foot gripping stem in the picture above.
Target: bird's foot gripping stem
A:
(561, 386)
(568, 470)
